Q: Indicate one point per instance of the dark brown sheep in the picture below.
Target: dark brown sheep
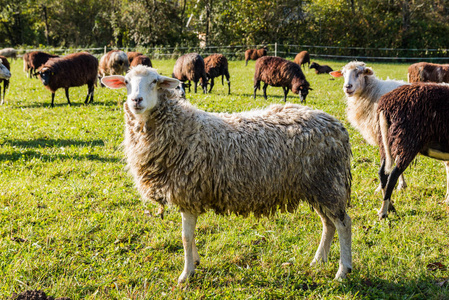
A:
(141, 60)
(5, 75)
(190, 67)
(276, 71)
(216, 65)
(324, 69)
(428, 72)
(413, 119)
(254, 54)
(32, 61)
(302, 58)
(131, 55)
(73, 70)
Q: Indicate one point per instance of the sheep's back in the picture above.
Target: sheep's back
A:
(276, 71)
(5, 62)
(242, 163)
(216, 65)
(189, 67)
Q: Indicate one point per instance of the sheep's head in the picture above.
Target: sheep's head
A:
(301, 87)
(45, 75)
(4, 72)
(313, 65)
(355, 75)
(143, 85)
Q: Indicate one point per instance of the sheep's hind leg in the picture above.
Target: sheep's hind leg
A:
(285, 93)
(344, 235)
(387, 205)
(265, 90)
(190, 252)
(447, 181)
(326, 239)
(90, 92)
(67, 95)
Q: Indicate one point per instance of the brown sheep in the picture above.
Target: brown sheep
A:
(276, 71)
(216, 65)
(428, 72)
(131, 55)
(254, 54)
(302, 58)
(413, 119)
(32, 61)
(190, 67)
(115, 62)
(140, 60)
(73, 70)
(5, 75)
(324, 69)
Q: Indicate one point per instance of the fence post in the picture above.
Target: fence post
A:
(105, 50)
(275, 49)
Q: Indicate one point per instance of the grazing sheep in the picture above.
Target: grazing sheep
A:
(216, 65)
(254, 54)
(242, 163)
(115, 62)
(324, 69)
(141, 60)
(131, 55)
(73, 70)
(32, 61)
(9, 52)
(427, 72)
(5, 75)
(276, 71)
(190, 67)
(302, 58)
(363, 91)
(413, 119)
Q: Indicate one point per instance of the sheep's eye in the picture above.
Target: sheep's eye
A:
(154, 81)
(126, 82)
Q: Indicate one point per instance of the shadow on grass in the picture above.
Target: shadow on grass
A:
(29, 155)
(65, 104)
(50, 143)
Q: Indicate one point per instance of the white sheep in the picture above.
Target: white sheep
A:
(251, 162)
(5, 75)
(363, 91)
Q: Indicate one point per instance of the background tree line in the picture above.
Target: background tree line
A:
(130, 23)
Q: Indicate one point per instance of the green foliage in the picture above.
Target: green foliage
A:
(72, 223)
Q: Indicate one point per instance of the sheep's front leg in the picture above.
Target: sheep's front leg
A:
(190, 251)
(265, 85)
(326, 239)
(67, 95)
(344, 235)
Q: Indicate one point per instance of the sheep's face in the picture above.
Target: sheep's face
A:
(45, 75)
(143, 85)
(4, 72)
(301, 87)
(355, 76)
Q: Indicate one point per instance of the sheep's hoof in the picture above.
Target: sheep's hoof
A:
(342, 272)
(382, 215)
(185, 276)
(379, 188)
(402, 186)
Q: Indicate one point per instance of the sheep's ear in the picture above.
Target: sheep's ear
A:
(336, 73)
(167, 82)
(368, 71)
(114, 81)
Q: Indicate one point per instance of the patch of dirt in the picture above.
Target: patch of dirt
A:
(34, 295)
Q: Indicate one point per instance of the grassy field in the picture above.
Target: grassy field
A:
(72, 224)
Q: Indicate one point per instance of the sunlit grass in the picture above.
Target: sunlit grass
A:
(72, 224)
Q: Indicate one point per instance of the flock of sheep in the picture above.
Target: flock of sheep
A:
(261, 160)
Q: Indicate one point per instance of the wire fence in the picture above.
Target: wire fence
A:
(237, 52)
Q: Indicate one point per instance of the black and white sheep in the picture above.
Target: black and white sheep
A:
(32, 61)
(413, 119)
(250, 162)
(324, 69)
(363, 91)
(302, 58)
(216, 65)
(428, 72)
(115, 62)
(254, 54)
(140, 60)
(190, 67)
(72, 70)
(5, 75)
(276, 71)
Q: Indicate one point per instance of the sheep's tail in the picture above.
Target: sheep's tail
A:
(383, 123)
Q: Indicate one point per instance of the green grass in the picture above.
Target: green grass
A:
(72, 224)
